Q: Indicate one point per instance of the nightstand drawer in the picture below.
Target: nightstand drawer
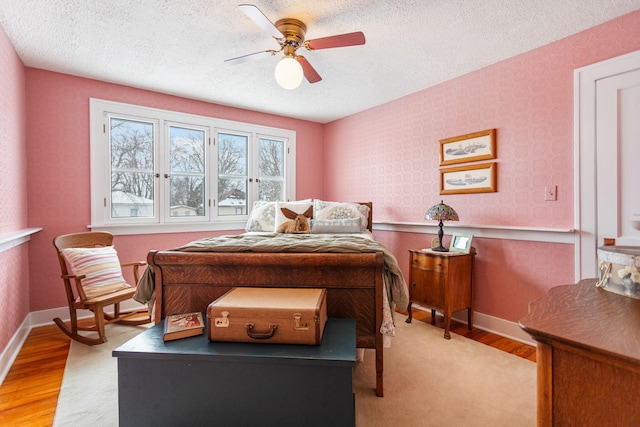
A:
(428, 262)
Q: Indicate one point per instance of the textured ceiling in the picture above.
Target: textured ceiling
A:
(179, 46)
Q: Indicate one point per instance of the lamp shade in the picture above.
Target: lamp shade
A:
(289, 72)
(440, 213)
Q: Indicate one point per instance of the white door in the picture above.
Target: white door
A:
(607, 157)
(618, 158)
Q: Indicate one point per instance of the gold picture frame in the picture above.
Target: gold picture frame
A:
(478, 178)
(471, 147)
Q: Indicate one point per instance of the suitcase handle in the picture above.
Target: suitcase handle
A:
(261, 335)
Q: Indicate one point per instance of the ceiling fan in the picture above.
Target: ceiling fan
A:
(289, 33)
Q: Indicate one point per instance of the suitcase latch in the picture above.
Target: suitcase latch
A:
(222, 322)
(299, 324)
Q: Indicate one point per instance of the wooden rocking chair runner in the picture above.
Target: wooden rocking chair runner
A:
(79, 298)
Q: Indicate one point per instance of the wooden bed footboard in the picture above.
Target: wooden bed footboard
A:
(190, 281)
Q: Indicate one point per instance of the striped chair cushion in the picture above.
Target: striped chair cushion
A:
(101, 267)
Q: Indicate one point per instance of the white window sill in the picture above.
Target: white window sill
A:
(131, 229)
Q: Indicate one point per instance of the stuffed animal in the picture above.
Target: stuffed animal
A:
(298, 224)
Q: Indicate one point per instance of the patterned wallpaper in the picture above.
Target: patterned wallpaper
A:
(14, 267)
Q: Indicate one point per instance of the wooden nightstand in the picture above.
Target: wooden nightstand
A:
(442, 281)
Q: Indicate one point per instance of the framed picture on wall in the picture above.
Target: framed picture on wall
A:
(471, 147)
(480, 178)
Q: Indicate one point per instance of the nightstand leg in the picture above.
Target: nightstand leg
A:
(410, 313)
(469, 319)
(447, 326)
(433, 317)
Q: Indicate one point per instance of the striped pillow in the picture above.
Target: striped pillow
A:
(101, 267)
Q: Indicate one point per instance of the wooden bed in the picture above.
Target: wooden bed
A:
(189, 281)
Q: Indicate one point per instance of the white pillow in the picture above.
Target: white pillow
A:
(341, 210)
(262, 217)
(336, 226)
(101, 267)
(298, 207)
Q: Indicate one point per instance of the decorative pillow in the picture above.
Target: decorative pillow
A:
(350, 225)
(338, 210)
(297, 206)
(262, 217)
(101, 267)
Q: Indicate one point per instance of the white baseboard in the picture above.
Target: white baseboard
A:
(500, 327)
(12, 349)
(41, 318)
(492, 324)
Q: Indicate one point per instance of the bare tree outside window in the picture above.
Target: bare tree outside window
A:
(187, 166)
(271, 169)
(232, 174)
(132, 181)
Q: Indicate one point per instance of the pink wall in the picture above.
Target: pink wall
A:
(14, 268)
(390, 154)
(58, 152)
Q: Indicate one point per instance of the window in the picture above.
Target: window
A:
(155, 171)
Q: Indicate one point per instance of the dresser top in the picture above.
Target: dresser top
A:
(585, 316)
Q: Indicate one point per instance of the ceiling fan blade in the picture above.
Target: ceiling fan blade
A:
(310, 73)
(259, 18)
(250, 57)
(349, 39)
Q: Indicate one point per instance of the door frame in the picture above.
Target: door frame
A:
(585, 80)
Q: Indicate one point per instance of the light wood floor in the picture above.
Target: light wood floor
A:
(29, 393)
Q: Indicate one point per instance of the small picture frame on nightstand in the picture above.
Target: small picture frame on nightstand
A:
(461, 242)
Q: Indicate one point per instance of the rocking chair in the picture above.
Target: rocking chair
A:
(94, 281)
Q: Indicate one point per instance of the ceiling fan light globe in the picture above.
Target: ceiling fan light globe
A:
(289, 73)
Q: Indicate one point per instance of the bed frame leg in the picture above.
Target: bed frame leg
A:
(379, 377)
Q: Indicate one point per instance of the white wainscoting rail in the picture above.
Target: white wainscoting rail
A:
(13, 239)
(532, 234)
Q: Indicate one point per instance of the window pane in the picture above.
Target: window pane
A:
(187, 163)
(234, 201)
(271, 170)
(187, 196)
(187, 150)
(132, 181)
(270, 190)
(232, 174)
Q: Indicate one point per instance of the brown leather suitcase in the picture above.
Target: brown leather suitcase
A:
(269, 315)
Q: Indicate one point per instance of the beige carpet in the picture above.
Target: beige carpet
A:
(89, 392)
(429, 381)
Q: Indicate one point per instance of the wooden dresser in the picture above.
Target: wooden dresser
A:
(588, 356)
(442, 281)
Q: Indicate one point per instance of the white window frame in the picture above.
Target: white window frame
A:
(162, 222)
